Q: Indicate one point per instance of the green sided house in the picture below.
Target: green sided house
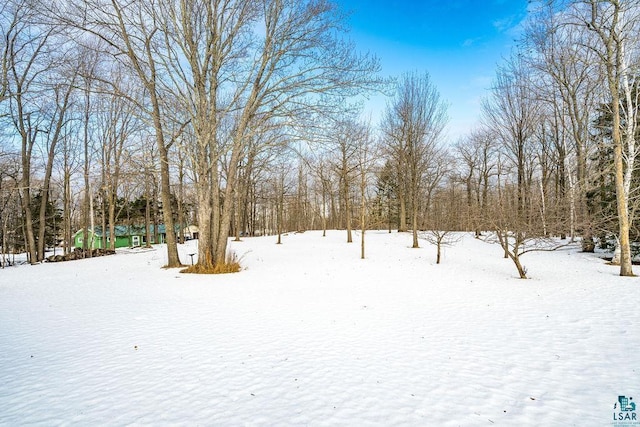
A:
(126, 236)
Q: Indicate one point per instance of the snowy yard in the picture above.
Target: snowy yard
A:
(309, 334)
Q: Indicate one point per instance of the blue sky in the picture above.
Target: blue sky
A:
(459, 42)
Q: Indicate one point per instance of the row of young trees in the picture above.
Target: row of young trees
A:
(564, 110)
(554, 154)
(239, 116)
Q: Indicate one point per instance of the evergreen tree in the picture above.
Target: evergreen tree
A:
(53, 220)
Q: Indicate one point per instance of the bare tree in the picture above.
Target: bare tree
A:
(413, 125)
(476, 154)
(562, 53)
(54, 133)
(89, 63)
(615, 23)
(132, 34)
(7, 24)
(324, 186)
(119, 133)
(366, 164)
(281, 188)
(513, 114)
(346, 137)
(442, 221)
(235, 66)
(9, 204)
(515, 234)
(203, 41)
(65, 171)
(298, 59)
(28, 60)
(515, 245)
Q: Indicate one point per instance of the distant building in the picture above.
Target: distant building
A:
(126, 236)
(191, 232)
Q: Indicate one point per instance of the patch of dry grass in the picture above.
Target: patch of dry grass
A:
(231, 265)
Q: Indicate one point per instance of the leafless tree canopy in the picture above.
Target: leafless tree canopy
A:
(243, 118)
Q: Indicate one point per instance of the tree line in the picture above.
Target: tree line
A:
(245, 118)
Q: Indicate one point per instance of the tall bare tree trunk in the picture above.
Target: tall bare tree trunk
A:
(66, 210)
(363, 202)
(173, 258)
(181, 217)
(87, 203)
(613, 41)
(347, 208)
(55, 133)
(220, 254)
(25, 198)
(414, 221)
(402, 200)
(621, 197)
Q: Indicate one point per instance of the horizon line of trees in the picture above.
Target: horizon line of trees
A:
(244, 118)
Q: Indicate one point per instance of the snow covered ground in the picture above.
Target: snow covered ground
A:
(309, 334)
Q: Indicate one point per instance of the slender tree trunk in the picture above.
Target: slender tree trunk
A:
(236, 209)
(147, 210)
(403, 212)
(220, 253)
(363, 203)
(46, 183)
(25, 181)
(112, 220)
(347, 208)
(613, 43)
(521, 271)
(279, 207)
(364, 229)
(42, 225)
(173, 258)
(621, 198)
(181, 219)
(414, 208)
(66, 210)
(414, 222)
(103, 218)
(279, 214)
(91, 222)
(28, 220)
(324, 207)
(87, 229)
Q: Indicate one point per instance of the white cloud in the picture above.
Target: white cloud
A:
(471, 42)
(504, 24)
